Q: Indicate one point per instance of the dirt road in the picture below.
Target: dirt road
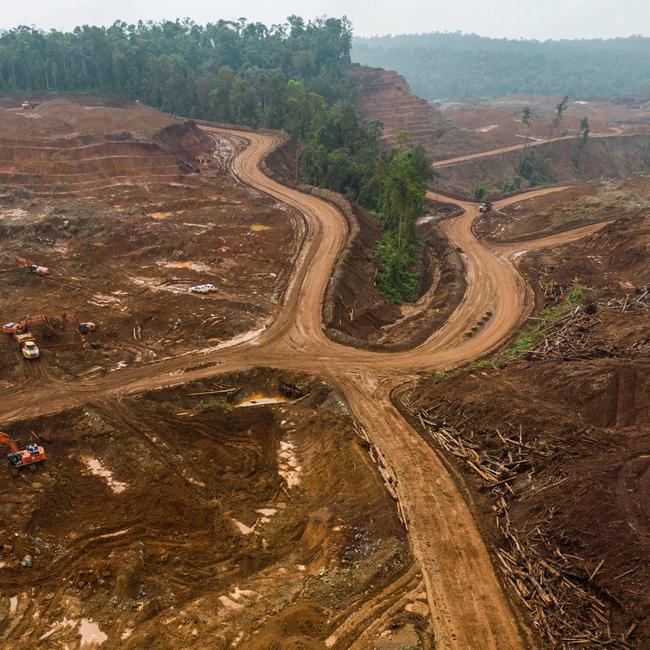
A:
(519, 147)
(468, 605)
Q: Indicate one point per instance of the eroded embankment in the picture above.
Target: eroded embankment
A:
(563, 162)
(101, 164)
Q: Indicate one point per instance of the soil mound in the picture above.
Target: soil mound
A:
(93, 119)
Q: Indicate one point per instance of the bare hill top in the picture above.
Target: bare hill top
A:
(61, 117)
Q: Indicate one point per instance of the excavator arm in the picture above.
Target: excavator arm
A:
(8, 441)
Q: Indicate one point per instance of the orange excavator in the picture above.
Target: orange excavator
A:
(20, 327)
(28, 456)
(33, 268)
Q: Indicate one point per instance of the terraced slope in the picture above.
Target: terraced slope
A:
(92, 163)
(386, 96)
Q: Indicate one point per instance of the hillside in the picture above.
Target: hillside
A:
(385, 96)
(497, 67)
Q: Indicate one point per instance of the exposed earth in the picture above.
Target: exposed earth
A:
(314, 515)
(220, 514)
(124, 251)
(566, 422)
(456, 128)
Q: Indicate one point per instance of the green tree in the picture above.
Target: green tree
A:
(560, 109)
(584, 130)
(527, 121)
(479, 192)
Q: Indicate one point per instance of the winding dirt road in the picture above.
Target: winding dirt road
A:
(469, 607)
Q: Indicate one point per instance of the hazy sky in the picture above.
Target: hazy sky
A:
(511, 18)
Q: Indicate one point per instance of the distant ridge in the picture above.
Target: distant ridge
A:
(445, 65)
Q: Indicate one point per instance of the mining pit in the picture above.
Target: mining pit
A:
(239, 513)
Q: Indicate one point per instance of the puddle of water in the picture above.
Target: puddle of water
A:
(115, 534)
(91, 635)
(156, 285)
(198, 225)
(260, 400)
(104, 300)
(161, 215)
(288, 466)
(259, 227)
(243, 528)
(96, 467)
(266, 512)
(236, 340)
(237, 593)
(199, 267)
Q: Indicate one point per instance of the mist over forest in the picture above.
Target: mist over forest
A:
(443, 65)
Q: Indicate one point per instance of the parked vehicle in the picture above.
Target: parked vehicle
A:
(203, 288)
(28, 346)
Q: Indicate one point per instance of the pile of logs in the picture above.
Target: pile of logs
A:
(567, 338)
(551, 289)
(631, 302)
(552, 586)
(497, 466)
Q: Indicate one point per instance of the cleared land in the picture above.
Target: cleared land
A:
(463, 602)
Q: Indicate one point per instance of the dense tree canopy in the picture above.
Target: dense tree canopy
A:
(231, 71)
(440, 66)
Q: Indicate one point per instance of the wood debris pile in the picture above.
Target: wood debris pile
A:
(556, 588)
(567, 337)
